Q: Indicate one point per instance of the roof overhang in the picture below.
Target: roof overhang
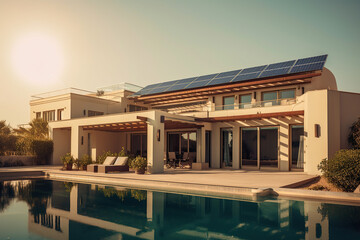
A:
(203, 93)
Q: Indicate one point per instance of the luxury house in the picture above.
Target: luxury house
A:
(283, 116)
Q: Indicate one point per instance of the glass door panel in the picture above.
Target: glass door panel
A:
(192, 142)
(173, 142)
(227, 147)
(184, 142)
(269, 146)
(297, 149)
(208, 147)
(249, 146)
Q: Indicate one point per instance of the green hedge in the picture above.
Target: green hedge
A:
(43, 150)
(343, 170)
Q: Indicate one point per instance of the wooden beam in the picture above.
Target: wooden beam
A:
(142, 118)
(250, 116)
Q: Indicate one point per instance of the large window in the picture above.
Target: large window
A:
(228, 103)
(297, 146)
(249, 146)
(226, 147)
(92, 113)
(49, 115)
(245, 101)
(182, 142)
(275, 97)
(269, 146)
(60, 114)
(139, 144)
(134, 108)
(259, 146)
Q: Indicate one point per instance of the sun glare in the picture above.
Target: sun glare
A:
(37, 58)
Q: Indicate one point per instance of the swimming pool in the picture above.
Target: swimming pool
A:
(45, 209)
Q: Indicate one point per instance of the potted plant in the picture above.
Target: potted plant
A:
(84, 161)
(68, 161)
(138, 164)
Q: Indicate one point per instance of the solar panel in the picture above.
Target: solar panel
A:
(186, 80)
(227, 74)
(275, 69)
(280, 65)
(197, 84)
(311, 60)
(206, 77)
(220, 80)
(177, 87)
(253, 69)
(243, 77)
(275, 72)
(307, 67)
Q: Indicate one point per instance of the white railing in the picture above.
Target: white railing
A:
(268, 103)
(61, 92)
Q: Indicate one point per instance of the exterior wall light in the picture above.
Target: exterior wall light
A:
(158, 135)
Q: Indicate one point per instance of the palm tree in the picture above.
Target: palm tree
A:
(39, 130)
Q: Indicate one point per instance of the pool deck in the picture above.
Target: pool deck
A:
(220, 182)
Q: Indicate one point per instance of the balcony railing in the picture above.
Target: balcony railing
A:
(268, 103)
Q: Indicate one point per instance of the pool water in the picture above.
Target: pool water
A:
(45, 209)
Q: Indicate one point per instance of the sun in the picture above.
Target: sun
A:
(37, 58)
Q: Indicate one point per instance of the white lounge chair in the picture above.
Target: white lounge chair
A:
(94, 167)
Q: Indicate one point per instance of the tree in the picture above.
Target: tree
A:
(354, 136)
(39, 130)
(7, 139)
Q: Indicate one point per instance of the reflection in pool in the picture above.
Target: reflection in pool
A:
(63, 210)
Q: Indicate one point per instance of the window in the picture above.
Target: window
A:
(94, 113)
(134, 108)
(38, 115)
(49, 115)
(245, 101)
(228, 103)
(275, 97)
(60, 114)
(290, 93)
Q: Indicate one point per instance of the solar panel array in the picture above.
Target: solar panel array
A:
(271, 70)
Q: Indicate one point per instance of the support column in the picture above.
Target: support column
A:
(236, 147)
(155, 145)
(75, 141)
(200, 145)
(215, 146)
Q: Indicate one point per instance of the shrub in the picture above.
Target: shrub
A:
(43, 150)
(67, 159)
(354, 136)
(343, 170)
(139, 163)
(85, 160)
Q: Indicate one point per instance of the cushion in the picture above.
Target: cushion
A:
(121, 161)
(109, 160)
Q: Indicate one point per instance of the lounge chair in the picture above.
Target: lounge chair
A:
(185, 160)
(172, 159)
(94, 167)
(119, 165)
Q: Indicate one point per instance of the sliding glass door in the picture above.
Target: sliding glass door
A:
(249, 146)
(297, 146)
(139, 144)
(259, 147)
(226, 147)
(181, 142)
(269, 146)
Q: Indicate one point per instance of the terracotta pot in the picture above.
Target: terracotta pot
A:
(140, 171)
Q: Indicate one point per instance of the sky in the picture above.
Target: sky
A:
(47, 45)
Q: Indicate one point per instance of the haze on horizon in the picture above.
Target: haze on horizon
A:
(90, 44)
